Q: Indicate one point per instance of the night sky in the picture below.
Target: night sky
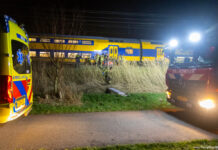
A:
(147, 19)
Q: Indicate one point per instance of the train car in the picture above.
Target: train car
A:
(67, 47)
(152, 50)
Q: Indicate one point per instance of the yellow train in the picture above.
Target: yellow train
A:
(67, 47)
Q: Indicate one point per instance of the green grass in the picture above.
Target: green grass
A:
(161, 146)
(192, 145)
(107, 102)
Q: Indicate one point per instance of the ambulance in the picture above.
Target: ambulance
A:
(16, 96)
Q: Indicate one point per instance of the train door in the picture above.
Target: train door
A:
(113, 52)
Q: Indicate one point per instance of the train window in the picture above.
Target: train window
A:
(111, 50)
(73, 41)
(159, 51)
(45, 40)
(59, 41)
(44, 54)
(32, 53)
(87, 42)
(129, 51)
(71, 55)
(86, 55)
(59, 54)
(32, 39)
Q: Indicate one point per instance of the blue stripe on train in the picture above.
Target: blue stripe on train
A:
(149, 52)
(121, 51)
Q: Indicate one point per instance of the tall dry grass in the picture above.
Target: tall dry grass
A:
(130, 78)
(148, 77)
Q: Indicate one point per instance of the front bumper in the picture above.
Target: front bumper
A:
(191, 103)
(179, 103)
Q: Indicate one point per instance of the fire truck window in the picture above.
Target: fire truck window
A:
(21, 58)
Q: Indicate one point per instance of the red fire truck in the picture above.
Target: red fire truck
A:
(192, 76)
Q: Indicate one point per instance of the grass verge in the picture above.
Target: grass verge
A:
(193, 145)
(107, 102)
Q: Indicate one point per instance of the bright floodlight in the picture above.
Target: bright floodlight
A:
(173, 43)
(208, 104)
(195, 37)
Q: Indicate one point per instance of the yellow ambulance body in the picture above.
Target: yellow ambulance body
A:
(16, 96)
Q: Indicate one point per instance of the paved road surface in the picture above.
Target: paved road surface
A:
(96, 129)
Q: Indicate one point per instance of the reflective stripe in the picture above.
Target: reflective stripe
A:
(196, 77)
(20, 87)
(16, 92)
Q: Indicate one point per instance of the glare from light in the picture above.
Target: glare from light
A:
(168, 94)
(208, 104)
(173, 43)
(195, 37)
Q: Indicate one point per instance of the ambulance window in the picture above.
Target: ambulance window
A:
(21, 58)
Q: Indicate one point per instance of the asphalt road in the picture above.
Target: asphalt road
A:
(61, 131)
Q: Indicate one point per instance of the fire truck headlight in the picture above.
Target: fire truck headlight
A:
(173, 43)
(208, 104)
(195, 37)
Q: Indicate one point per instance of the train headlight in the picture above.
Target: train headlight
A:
(195, 37)
(173, 43)
(207, 103)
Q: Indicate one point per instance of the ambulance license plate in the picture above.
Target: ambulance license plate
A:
(20, 103)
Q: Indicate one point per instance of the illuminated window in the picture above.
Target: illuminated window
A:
(86, 55)
(59, 41)
(72, 55)
(32, 53)
(73, 41)
(59, 54)
(32, 39)
(87, 42)
(44, 54)
(129, 51)
(159, 51)
(45, 40)
(183, 59)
